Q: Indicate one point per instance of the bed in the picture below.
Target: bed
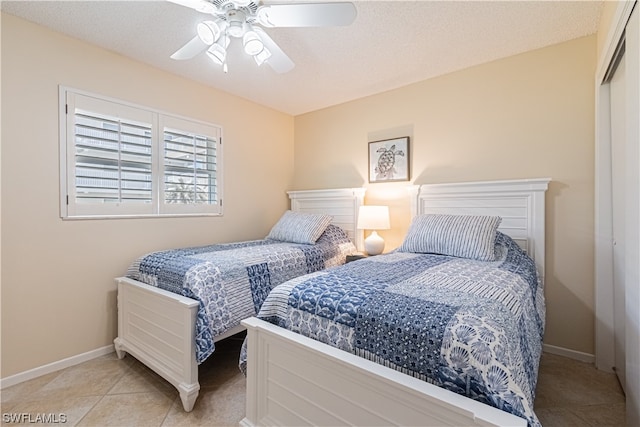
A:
(466, 353)
(174, 305)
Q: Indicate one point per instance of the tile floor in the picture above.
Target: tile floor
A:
(572, 393)
(111, 392)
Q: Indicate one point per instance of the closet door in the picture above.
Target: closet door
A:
(632, 224)
(618, 178)
(618, 205)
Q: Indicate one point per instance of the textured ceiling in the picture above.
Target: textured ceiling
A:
(390, 44)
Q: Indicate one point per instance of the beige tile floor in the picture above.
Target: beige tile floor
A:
(111, 392)
(572, 393)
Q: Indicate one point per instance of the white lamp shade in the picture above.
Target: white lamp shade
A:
(373, 218)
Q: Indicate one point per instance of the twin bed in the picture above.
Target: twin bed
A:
(174, 305)
(406, 338)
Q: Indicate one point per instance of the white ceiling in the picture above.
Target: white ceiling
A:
(390, 44)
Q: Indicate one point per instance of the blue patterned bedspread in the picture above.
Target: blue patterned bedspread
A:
(232, 280)
(472, 327)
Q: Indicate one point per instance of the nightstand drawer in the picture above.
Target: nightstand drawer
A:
(355, 257)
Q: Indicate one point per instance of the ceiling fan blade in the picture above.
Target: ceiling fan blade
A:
(199, 5)
(278, 60)
(307, 14)
(189, 50)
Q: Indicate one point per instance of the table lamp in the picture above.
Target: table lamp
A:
(373, 218)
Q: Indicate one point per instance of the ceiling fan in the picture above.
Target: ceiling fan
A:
(244, 19)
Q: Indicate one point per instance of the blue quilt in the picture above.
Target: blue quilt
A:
(230, 281)
(472, 327)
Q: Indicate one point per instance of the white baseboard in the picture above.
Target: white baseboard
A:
(75, 360)
(571, 354)
(55, 366)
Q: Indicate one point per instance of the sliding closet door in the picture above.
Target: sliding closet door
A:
(625, 192)
(618, 100)
(632, 223)
(618, 204)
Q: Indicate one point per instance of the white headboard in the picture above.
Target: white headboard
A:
(520, 203)
(341, 203)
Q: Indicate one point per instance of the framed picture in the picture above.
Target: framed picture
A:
(389, 160)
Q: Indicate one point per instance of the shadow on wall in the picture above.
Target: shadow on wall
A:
(341, 175)
(567, 244)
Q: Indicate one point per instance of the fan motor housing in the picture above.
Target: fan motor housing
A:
(236, 19)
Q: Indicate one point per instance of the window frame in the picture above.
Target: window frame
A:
(70, 209)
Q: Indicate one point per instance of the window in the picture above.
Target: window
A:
(118, 159)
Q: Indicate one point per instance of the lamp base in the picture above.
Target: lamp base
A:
(374, 244)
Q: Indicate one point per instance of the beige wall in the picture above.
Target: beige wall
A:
(527, 116)
(58, 293)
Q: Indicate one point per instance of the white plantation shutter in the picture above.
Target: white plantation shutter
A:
(112, 159)
(109, 158)
(190, 166)
(123, 160)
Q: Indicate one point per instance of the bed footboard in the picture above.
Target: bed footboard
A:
(158, 328)
(293, 380)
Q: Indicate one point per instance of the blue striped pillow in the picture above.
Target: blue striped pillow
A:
(464, 236)
(298, 227)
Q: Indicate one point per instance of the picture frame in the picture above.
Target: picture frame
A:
(389, 160)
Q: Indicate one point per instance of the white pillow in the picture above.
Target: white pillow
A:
(298, 227)
(464, 236)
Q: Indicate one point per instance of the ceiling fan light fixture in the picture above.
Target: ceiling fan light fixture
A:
(209, 32)
(262, 56)
(245, 19)
(218, 51)
(217, 54)
(252, 43)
